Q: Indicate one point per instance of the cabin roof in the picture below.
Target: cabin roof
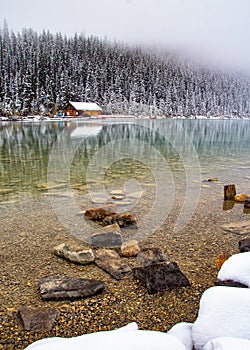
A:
(85, 106)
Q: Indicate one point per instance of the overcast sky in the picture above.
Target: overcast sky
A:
(218, 29)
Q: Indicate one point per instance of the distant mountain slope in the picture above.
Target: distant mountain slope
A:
(40, 73)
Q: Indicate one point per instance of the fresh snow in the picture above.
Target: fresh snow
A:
(227, 343)
(122, 339)
(85, 106)
(183, 331)
(236, 268)
(224, 312)
(223, 323)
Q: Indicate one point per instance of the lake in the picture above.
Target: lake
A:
(149, 167)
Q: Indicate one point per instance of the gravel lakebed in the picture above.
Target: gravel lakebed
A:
(30, 230)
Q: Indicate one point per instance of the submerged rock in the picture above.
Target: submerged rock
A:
(228, 204)
(123, 220)
(64, 287)
(110, 261)
(151, 255)
(242, 197)
(109, 236)
(75, 253)
(130, 248)
(37, 319)
(159, 277)
(99, 213)
(239, 228)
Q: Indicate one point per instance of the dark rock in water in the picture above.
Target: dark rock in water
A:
(99, 213)
(110, 261)
(151, 255)
(123, 220)
(64, 287)
(212, 179)
(247, 203)
(229, 192)
(37, 319)
(244, 245)
(229, 283)
(239, 228)
(75, 253)
(161, 276)
(109, 236)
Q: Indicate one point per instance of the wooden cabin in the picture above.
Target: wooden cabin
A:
(78, 109)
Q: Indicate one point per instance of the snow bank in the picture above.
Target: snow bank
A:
(126, 338)
(224, 312)
(236, 268)
(223, 322)
(183, 331)
(227, 343)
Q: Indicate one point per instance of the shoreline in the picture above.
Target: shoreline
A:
(26, 250)
(38, 118)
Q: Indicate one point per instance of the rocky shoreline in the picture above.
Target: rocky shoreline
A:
(25, 261)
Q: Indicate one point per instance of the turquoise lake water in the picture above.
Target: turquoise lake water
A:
(142, 165)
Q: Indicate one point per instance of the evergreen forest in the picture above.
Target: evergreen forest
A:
(41, 72)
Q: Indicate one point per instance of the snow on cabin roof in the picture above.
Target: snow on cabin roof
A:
(85, 106)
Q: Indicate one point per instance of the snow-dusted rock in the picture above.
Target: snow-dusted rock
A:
(183, 331)
(224, 312)
(236, 268)
(227, 343)
(126, 338)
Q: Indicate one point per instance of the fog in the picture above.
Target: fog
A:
(218, 30)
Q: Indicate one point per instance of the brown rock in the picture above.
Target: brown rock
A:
(39, 319)
(64, 287)
(161, 276)
(221, 258)
(110, 261)
(99, 213)
(123, 220)
(109, 236)
(242, 197)
(130, 248)
(151, 255)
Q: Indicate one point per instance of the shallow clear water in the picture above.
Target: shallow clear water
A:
(155, 163)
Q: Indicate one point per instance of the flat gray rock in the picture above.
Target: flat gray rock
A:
(109, 261)
(64, 287)
(239, 228)
(37, 319)
(75, 253)
(110, 236)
